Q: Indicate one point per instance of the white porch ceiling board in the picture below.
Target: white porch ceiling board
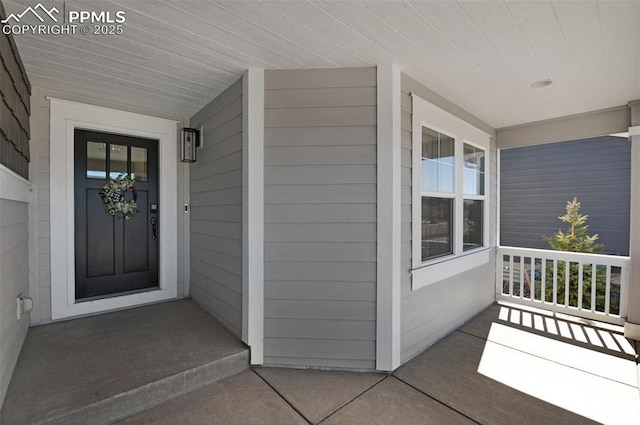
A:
(147, 22)
(194, 29)
(580, 23)
(336, 32)
(404, 51)
(125, 98)
(493, 78)
(110, 57)
(175, 56)
(500, 29)
(268, 17)
(120, 89)
(109, 81)
(122, 71)
(620, 38)
(551, 50)
(423, 36)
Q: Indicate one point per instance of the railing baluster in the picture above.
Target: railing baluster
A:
(555, 282)
(567, 287)
(607, 292)
(521, 276)
(511, 275)
(580, 283)
(594, 283)
(532, 278)
(543, 280)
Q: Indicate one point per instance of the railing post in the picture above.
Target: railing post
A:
(624, 292)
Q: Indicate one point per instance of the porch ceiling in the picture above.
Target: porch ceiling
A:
(175, 56)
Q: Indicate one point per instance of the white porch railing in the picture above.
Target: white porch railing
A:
(592, 286)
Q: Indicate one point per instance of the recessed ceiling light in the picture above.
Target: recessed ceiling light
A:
(541, 83)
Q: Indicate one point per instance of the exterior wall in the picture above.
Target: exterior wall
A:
(14, 279)
(40, 176)
(216, 210)
(430, 313)
(537, 181)
(320, 218)
(15, 206)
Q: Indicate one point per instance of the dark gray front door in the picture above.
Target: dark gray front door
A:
(113, 255)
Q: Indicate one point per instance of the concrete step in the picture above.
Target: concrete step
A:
(96, 370)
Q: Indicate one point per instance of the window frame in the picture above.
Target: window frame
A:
(425, 114)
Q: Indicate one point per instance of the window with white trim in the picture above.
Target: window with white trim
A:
(449, 194)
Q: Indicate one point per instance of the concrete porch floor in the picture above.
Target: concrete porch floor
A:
(98, 369)
(505, 366)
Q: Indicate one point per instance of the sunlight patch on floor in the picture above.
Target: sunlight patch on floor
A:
(596, 385)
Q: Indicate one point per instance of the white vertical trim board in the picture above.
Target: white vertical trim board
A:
(66, 116)
(389, 278)
(253, 212)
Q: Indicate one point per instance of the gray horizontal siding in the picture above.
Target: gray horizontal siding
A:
(537, 182)
(430, 313)
(216, 210)
(320, 218)
(14, 279)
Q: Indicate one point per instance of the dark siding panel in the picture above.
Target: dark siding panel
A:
(537, 181)
(15, 108)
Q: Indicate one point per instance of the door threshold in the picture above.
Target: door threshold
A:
(118, 294)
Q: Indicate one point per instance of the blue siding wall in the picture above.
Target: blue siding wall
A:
(537, 181)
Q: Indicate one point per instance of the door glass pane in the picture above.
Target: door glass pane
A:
(437, 227)
(139, 164)
(473, 220)
(117, 160)
(473, 170)
(438, 161)
(96, 160)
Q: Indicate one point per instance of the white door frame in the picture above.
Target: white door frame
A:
(66, 116)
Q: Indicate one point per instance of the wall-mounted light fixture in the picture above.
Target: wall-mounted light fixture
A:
(190, 139)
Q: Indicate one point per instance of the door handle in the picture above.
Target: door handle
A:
(154, 228)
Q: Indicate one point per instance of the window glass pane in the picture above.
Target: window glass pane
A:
(447, 150)
(96, 160)
(437, 227)
(429, 143)
(117, 160)
(473, 178)
(139, 164)
(473, 221)
(438, 161)
(446, 179)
